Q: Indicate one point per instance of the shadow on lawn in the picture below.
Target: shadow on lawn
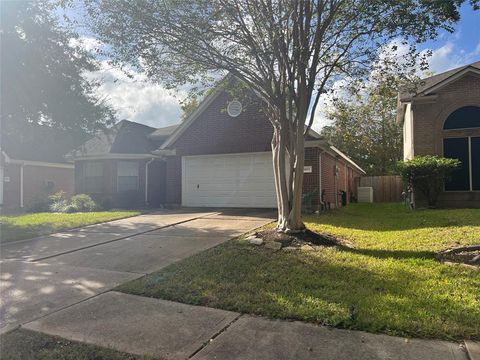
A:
(393, 298)
(395, 254)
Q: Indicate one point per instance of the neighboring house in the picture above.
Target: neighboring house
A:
(117, 167)
(220, 156)
(442, 118)
(33, 168)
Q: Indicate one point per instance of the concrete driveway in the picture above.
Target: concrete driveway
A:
(43, 275)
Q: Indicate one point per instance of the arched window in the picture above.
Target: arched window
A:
(465, 148)
(466, 117)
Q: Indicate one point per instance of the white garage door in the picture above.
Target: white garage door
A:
(236, 180)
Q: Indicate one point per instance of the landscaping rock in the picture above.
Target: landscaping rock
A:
(290, 248)
(274, 245)
(307, 247)
(255, 240)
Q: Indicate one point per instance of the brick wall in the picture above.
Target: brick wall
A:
(35, 184)
(11, 189)
(215, 132)
(37, 178)
(428, 121)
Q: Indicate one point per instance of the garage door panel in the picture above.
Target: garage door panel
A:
(239, 180)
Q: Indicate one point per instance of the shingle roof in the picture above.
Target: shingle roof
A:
(434, 80)
(163, 133)
(125, 137)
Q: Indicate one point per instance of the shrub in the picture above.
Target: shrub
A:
(57, 202)
(428, 174)
(82, 202)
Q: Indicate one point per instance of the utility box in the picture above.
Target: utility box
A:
(365, 194)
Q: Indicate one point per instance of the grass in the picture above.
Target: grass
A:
(29, 345)
(389, 284)
(17, 227)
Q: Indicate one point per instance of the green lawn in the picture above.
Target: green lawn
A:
(390, 283)
(29, 345)
(16, 227)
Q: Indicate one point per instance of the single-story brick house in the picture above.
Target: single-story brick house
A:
(442, 117)
(220, 156)
(33, 168)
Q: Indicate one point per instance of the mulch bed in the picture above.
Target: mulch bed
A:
(299, 239)
(469, 255)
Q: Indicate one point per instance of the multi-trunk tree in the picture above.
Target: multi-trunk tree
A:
(288, 51)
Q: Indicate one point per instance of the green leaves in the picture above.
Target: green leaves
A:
(427, 174)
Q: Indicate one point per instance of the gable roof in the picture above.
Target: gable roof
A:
(433, 83)
(182, 127)
(38, 143)
(125, 137)
(163, 133)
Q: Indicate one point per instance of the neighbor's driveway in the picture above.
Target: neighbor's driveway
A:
(42, 275)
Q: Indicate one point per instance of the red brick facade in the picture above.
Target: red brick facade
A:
(214, 132)
(38, 182)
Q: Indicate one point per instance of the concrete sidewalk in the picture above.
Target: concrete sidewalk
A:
(170, 330)
(43, 275)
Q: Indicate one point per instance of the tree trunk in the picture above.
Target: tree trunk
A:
(288, 179)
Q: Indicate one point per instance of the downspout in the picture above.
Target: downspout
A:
(335, 178)
(320, 175)
(21, 186)
(146, 179)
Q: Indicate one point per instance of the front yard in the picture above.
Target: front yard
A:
(390, 283)
(17, 227)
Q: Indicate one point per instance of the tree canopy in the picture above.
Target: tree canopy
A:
(42, 74)
(288, 51)
(363, 121)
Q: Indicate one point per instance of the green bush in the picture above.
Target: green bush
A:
(57, 202)
(427, 174)
(82, 202)
(78, 203)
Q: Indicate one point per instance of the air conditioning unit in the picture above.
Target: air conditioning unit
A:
(365, 194)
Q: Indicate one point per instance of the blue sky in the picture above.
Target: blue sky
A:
(151, 104)
(460, 47)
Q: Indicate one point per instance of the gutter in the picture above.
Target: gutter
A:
(146, 179)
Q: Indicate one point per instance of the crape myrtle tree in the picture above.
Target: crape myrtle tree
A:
(288, 51)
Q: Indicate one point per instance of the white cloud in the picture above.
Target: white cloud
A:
(449, 56)
(88, 43)
(132, 96)
(136, 99)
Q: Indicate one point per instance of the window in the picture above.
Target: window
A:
(467, 150)
(93, 176)
(475, 161)
(466, 117)
(127, 175)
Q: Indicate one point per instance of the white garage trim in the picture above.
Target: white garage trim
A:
(229, 180)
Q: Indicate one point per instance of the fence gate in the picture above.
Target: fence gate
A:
(386, 188)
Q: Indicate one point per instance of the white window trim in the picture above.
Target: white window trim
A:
(137, 187)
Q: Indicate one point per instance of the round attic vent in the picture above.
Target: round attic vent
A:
(234, 108)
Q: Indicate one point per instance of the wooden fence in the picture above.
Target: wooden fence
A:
(385, 188)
